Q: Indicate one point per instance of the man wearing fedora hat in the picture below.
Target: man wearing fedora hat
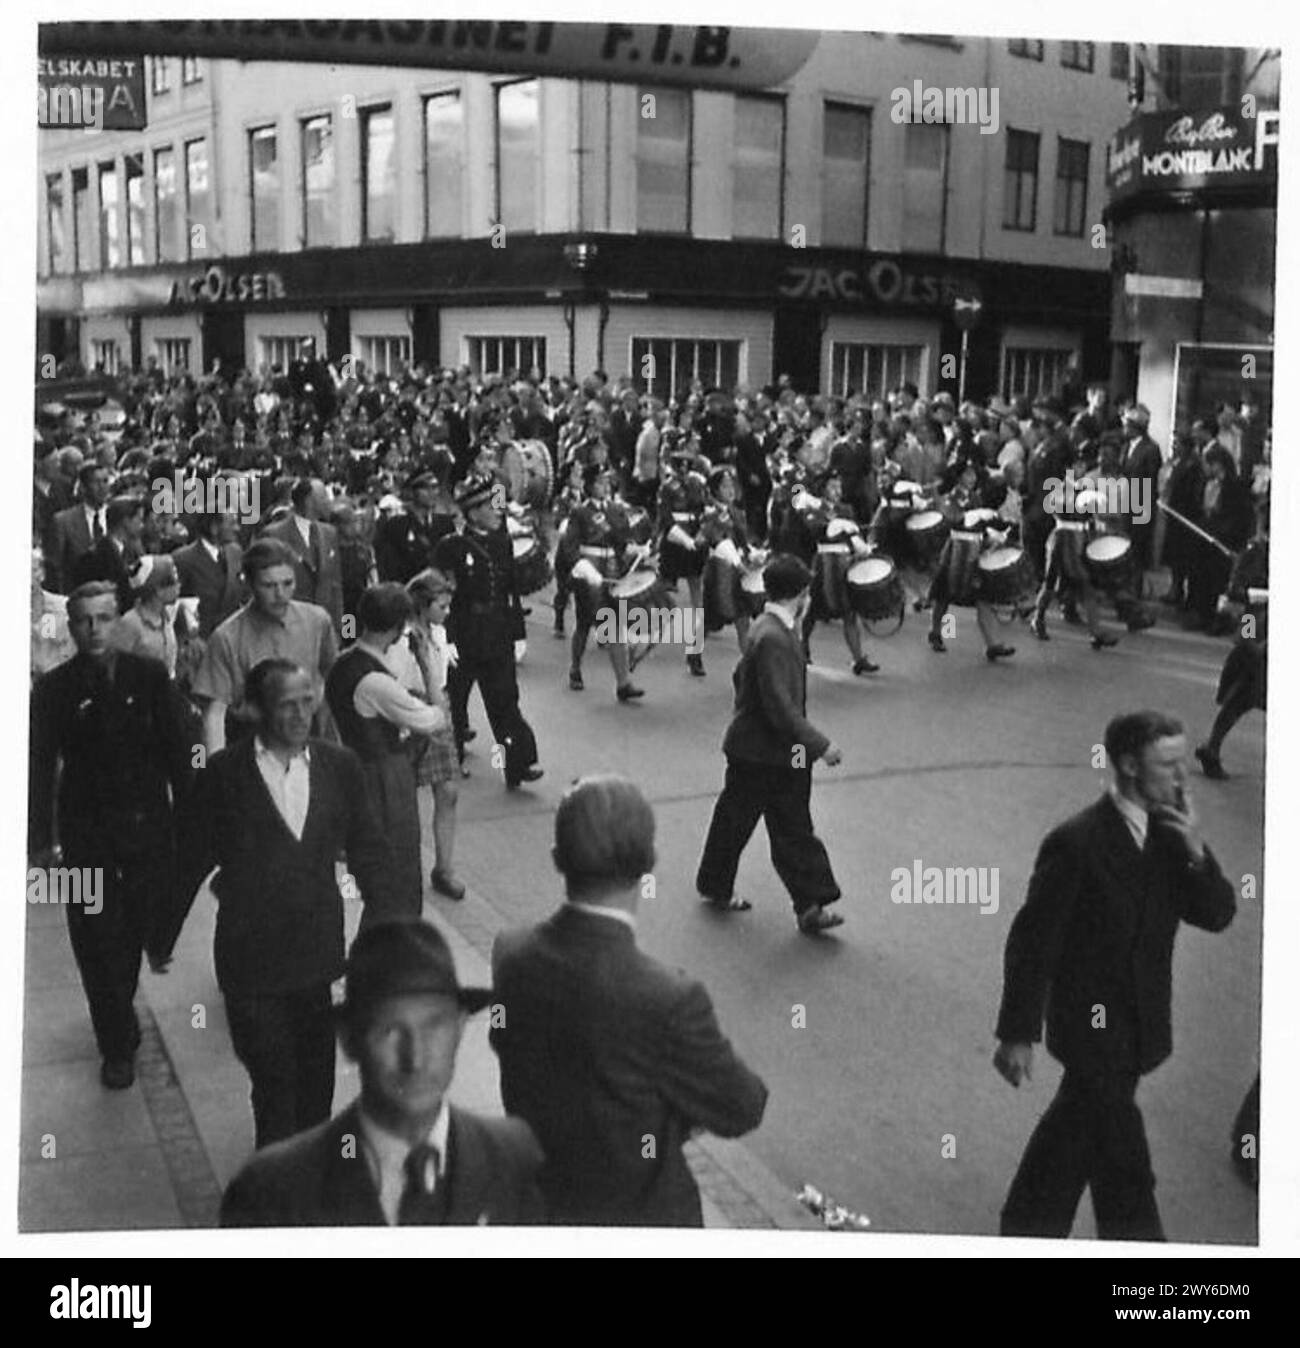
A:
(401, 1154)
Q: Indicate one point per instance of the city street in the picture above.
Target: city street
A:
(953, 762)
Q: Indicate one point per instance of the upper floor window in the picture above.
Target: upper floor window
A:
(161, 74)
(263, 189)
(378, 174)
(663, 160)
(846, 167)
(1078, 55)
(518, 152)
(191, 71)
(444, 168)
(758, 168)
(1031, 48)
(1020, 181)
(318, 225)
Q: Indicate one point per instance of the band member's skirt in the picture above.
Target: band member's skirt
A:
(956, 577)
(1246, 671)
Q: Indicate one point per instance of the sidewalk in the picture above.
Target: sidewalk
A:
(158, 1155)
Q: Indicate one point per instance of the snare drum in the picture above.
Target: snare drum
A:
(529, 472)
(532, 565)
(1005, 574)
(874, 588)
(639, 591)
(1108, 559)
(926, 533)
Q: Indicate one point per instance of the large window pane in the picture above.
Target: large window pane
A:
(518, 152)
(925, 174)
(198, 200)
(110, 248)
(1071, 187)
(663, 160)
(378, 174)
(264, 189)
(1020, 182)
(135, 209)
(444, 129)
(756, 168)
(81, 219)
(318, 228)
(164, 199)
(846, 159)
(54, 222)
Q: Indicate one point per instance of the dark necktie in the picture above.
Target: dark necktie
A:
(97, 528)
(423, 1197)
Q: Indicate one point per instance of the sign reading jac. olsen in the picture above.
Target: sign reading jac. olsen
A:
(1180, 150)
(662, 53)
(106, 91)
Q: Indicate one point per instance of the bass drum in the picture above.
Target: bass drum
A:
(529, 472)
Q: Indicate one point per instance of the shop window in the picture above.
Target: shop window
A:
(103, 355)
(874, 368)
(173, 354)
(280, 351)
(504, 355)
(383, 355)
(1031, 371)
(666, 367)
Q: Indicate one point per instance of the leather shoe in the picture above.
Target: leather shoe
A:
(937, 643)
(865, 666)
(630, 692)
(1210, 764)
(1039, 628)
(996, 653)
(695, 663)
(813, 921)
(117, 1073)
(576, 684)
(527, 775)
(1101, 642)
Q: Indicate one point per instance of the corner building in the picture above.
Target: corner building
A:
(397, 214)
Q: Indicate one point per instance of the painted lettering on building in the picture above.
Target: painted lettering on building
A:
(219, 286)
(884, 282)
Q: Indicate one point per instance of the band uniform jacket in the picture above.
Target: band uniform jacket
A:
(601, 1048)
(1096, 933)
(279, 909)
(218, 591)
(318, 1179)
(318, 572)
(771, 683)
(486, 616)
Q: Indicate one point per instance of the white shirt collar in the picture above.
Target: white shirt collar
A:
(1133, 815)
(304, 527)
(263, 750)
(779, 611)
(600, 910)
(210, 548)
(386, 1155)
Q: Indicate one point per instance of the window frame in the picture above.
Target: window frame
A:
(77, 240)
(1115, 49)
(473, 347)
(899, 350)
(674, 389)
(866, 110)
(456, 96)
(1016, 227)
(191, 70)
(363, 126)
(160, 75)
(255, 245)
(1084, 54)
(1067, 233)
(109, 237)
(190, 255)
(497, 200)
(55, 181)
(688, 230)
(172, 254)
(304, 123)
(1026, 48)
(783, 102)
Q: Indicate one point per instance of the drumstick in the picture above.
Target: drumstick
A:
(1196, 529)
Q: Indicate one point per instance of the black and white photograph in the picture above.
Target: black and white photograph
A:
(656, 622)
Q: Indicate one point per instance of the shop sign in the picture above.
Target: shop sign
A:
(219, 286)
(884, 282)
(1180, 150)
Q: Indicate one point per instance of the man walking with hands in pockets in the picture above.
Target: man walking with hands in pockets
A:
(770, 748)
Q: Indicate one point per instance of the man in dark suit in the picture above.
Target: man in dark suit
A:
(1045, 469)
(611, 1057)
(209, 570)
(1094, 945)
(76, 530)
(109, 720)
(272, 813)
(770, 748)
(1141, 466)
(401, 1155)
(318, 572)
(51, 491)
(117, 552)
(404, 543)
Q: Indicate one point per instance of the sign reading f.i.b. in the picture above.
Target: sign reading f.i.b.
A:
(90, 92)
